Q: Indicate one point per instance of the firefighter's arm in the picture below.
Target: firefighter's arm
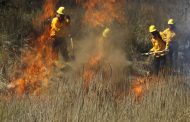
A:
(167, 45)
(153, 44)
(165, 38)
(54, 24)
(168, 40)
(152, 49)
(171, 37)
(54, 27)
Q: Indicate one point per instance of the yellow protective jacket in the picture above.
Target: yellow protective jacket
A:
(168, 36)
(158, 44)
(57, 28)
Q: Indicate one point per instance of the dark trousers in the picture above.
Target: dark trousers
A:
(60, 45)
(158, 64)
(172, 56)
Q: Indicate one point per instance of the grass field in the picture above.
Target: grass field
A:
(164, 100)
(123, 94)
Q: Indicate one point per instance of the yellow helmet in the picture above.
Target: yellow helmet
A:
(105, 32)
(171, 22)
(152, 28)
(61, 10)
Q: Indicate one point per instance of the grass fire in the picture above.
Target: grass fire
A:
(38, 61)
(94, 60)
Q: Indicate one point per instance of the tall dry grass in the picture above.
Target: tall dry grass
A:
(165, 100)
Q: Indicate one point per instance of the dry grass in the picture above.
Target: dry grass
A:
(165, 100)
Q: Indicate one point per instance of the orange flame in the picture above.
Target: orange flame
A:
(138, 88)
(78, 1)
(38, 68)
(103, 12)
(38, 61)
(48, 9)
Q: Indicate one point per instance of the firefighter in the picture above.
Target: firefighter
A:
(158, 49)
(58, 33)
(103, 40)
(106, 32)
(171, 43)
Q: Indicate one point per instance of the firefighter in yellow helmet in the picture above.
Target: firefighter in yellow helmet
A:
(158, 49)
(58, 32)
(106, 32)
(102, 41)
(171, 44)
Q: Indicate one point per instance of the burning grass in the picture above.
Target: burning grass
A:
(37, 62)
(166, 100)
(109, 98)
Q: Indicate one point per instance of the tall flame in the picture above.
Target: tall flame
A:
(103, 12)
(48, 9)
(37, 61)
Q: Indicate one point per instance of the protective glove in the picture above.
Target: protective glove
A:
(166, 50)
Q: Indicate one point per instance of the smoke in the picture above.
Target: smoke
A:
(97, 16)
